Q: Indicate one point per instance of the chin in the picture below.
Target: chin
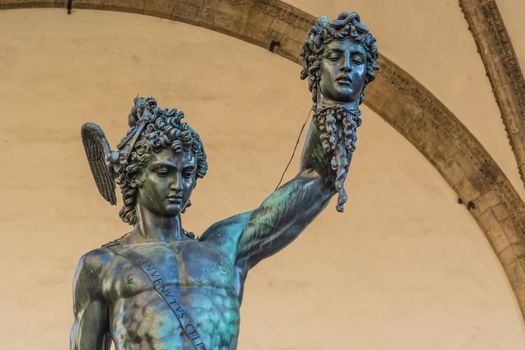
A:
(342, 95)
(173, 210)
(345, 98)
(346, 94)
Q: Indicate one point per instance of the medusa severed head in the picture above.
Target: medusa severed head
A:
(339, 58)
(160, 160)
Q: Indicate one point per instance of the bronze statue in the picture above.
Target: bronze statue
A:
(160, 287)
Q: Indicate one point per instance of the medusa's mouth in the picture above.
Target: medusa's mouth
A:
(344, 80)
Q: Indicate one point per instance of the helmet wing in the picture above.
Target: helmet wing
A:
(99, 154)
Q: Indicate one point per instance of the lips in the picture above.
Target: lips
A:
(344, 80)
(175, 199)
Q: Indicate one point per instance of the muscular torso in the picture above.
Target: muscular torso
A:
(112, 296)
(202, 276)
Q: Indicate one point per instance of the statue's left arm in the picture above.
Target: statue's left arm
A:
(288, 210)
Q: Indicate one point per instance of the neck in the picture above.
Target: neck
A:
(153, 227)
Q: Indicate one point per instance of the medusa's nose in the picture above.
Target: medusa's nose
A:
(347, 62)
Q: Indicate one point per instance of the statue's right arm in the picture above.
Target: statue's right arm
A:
(280, 218)
(90, 330)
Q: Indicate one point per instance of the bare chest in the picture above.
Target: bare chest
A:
(181, 266)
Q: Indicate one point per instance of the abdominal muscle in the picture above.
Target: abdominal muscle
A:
(145, 321)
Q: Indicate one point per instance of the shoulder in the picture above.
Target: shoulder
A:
(92, 268)
(227, 229)
(96, 259)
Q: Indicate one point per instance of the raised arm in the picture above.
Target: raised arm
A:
(288, 210)
(90, 330)
(339, 61)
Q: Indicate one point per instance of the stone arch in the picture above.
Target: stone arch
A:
(502, 68)
(395, 96)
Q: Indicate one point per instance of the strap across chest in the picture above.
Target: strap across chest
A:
(164, 290)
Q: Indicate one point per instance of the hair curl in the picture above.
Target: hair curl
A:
(347, 25)
(163, 129)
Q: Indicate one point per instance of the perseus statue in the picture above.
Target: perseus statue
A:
(159, 286)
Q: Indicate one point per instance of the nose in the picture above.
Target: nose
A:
(176, 185)
(347, 63)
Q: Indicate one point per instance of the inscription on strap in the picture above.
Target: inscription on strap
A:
(160, 285)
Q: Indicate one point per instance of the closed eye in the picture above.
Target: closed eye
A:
(162, 172)
(357, 60)
(188, 172)
(334, 56)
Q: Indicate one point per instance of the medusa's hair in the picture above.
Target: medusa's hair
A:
(346, 26)
(159, 129)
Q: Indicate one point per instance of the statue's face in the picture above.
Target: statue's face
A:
(168, 180)
(343, 71)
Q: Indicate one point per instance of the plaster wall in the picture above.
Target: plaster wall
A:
(404, 267)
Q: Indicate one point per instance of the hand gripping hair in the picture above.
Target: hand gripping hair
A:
(337, 124)
(152, 129)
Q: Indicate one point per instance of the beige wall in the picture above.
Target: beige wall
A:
(404, 267)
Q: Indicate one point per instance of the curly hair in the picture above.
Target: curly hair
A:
(161, 129)
(347, 25)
